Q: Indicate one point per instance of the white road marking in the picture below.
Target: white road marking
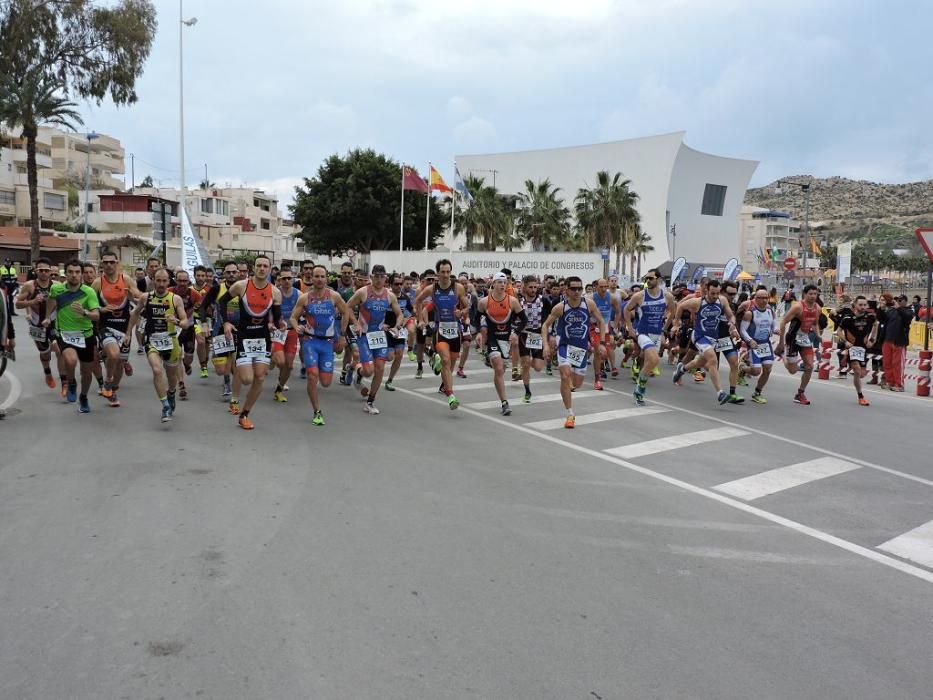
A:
(916, 545)
(601, 417)
(543, 398)
(486, 385)
(16, 389)
(806, 530)
(674, 442)
(783, 478)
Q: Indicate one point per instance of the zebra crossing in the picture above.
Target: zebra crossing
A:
(662, 439)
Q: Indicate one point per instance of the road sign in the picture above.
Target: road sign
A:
(604, 253)
(790, 263)
(925, 236)
(788, 274)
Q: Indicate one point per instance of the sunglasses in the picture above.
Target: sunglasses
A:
(649, 279)
(286, 279)
(575, 289)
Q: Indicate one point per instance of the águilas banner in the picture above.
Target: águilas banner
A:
(731, 269)
(680, 264)
(191, 253)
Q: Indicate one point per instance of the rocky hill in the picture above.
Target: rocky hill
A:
(847, 209)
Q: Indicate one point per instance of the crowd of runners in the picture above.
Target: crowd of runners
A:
(243, 322)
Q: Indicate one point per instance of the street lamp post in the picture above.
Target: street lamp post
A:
(87, 188)
(805, 186)
(182, 23)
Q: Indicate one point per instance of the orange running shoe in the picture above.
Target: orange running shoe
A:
(862, 401)
(235, 408)
(570, 422)
(106, 392)
(50, 381)
(246, 423)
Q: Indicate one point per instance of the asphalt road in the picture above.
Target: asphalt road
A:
(425, 553)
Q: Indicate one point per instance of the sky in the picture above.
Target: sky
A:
(834, 87)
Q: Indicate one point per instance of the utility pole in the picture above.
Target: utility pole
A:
(132, 172)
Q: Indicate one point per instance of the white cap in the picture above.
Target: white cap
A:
(499, 276)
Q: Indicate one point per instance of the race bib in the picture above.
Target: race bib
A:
(763, 351)
(575, 355)
(279, 336)
(37, 333)
(449, 329)
(221, 345)
(74, 338)
(402, 333)
(255, 348)
(533, 341)
(376, 340)
(803, 340)
(162, 342)
(724, 344)
(115, 334)
(857, 354)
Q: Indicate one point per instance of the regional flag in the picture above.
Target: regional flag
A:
(461, 187)
(764, 255)
(411, 180)
(437, 182)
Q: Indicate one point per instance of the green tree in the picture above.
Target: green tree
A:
(543, 220)
(609, 218)
(490, 217)
(642, 248)
(354, 202)
(147, 181)
(53, 47)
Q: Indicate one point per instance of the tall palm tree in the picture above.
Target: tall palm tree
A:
(583, 214)
(488, 217)
(33, 99)
(642, 248)
(543, 220)
(606, 213)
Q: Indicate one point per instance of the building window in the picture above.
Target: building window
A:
(51, 200)
(206, 207)
(264, 223)
(7, 197)
(714, 197)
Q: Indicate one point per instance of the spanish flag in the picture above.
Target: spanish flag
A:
(437, 182)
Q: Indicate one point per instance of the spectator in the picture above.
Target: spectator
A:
(916, 306)
(899, 315)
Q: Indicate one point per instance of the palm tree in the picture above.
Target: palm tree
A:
(642, 248)
(33, 99)
(488, 216)
(583, 213)
(607, 215)
(543, 219)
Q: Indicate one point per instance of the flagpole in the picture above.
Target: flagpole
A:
(427, 218)
(401, 218)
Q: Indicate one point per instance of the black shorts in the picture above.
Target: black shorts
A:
(186, 340)
(85, 354)
(535, 353)
(499, 344)
(45, 345)
(684, 339)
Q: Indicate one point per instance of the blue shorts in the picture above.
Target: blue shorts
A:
(762, 355)
(724, 345)
(576, 358)
(318, 354)
(368, 355)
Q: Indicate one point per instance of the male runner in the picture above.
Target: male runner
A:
(306, 281)
(224, 349)
(449, 300)
(654, 305)
(857, 332)
(757, 326)
(803, 335)
(374, 300)
(573, 317)
(530, 340)
(707, 311)
(315, 319)
(32, 297)
(398, 339)
(188, 338)
(73, 307)
(163, 312)
(609, 307)
(259, 300)
(501, 310)
(115, 290)
(202, 285)
(285, 342)
(88, 275)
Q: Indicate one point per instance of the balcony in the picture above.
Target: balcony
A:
(43, 182)
(43, 160)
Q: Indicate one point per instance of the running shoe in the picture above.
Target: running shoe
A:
(370, 409)
(280, 396)
(527, 398)
(506, 409)
(128, 369)
(615, 372)
(862, 401)
(698, 376)
(166, 414)
(72, 392)
(639, 395)
(758, 398)
(461, 373)
(171, 400)
(50, 381)
(390, 386)
(801, 398)
(246, 423)
(113, 401)
(570, 422)
(188, 370)
(234, 407)
(83, 405)
(722, 397)
(139, 351)
(742, 380)
(418, 374)
(436, 363)
(182, 391)
(598, 385)
(516, 374)
(441, 389)
(318, 418)
(203, 373)
(679, 373)
(549, 371)
(656, 372)
(453, 402)
(735, 398)
(227, 392)
(411, 356)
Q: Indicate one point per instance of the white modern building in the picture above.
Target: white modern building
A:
(698, 195)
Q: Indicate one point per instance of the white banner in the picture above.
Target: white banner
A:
(843, 262)
(731, 269)
(587, 266)
(680, 264)
(191, 254)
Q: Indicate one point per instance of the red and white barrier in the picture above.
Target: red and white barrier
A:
(826, 358)
(923, 380)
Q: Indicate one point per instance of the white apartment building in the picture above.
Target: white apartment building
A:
(772, 234)
(72, 152)
(14, 187)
